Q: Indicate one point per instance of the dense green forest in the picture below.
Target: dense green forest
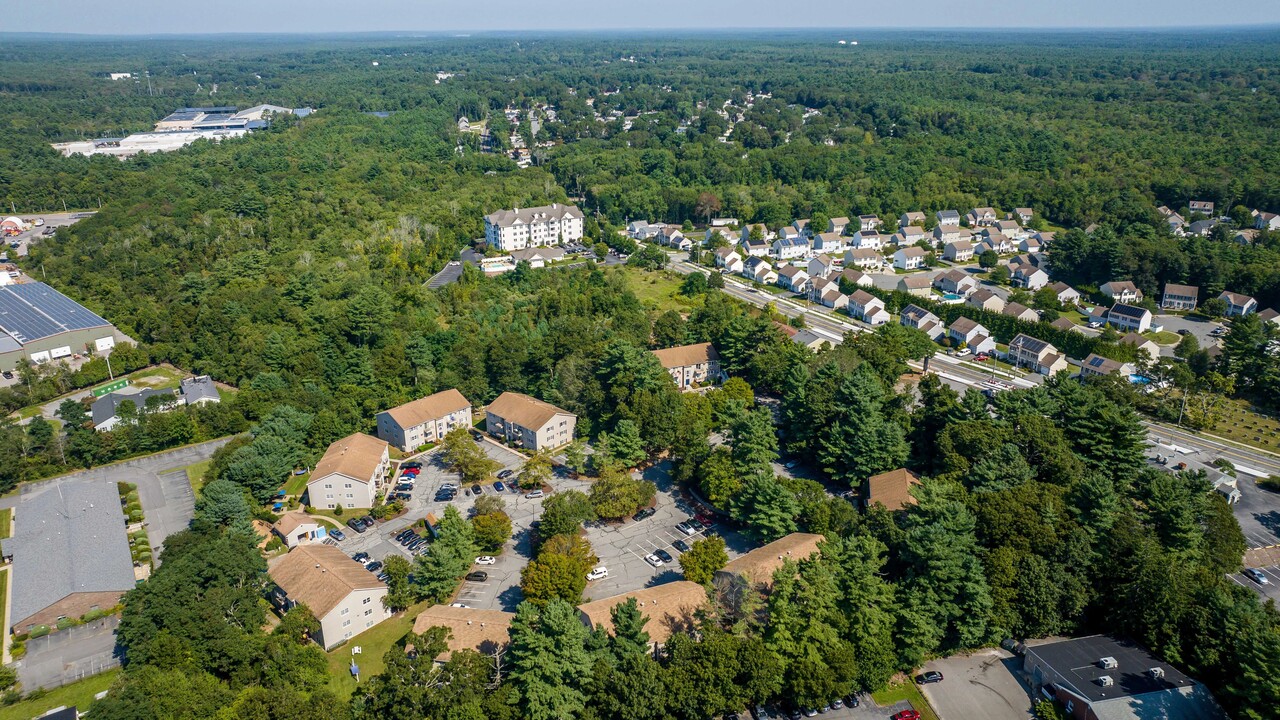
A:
(291, 263)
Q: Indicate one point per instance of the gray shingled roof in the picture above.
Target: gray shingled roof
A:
(201, 387)
(70, 538)
(104, 408)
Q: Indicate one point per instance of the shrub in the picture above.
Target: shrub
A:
(337, 509)
(67, 622)
(94, 615)
(1271, 483)
(40, 631)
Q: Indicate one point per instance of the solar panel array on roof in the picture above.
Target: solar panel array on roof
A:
(32, 311)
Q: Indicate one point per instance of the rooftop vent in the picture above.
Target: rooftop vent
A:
(1106, 681)
(1155, 673)
(1108, 663)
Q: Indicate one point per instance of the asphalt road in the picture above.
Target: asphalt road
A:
(69, 655)
(982, 686)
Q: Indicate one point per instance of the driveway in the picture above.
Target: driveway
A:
(981, 686)
(1194, 325)
(69, 655)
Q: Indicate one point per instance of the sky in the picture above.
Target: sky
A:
(148, 17)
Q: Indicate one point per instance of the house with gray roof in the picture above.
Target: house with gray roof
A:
(198, 390)
(70, 553)
(106, 409)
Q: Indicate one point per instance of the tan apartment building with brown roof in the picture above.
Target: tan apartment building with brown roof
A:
(350, 473)
(488, 632)
(670, 608)
(691, 365)
(425, 420)
(344, 597)
(529, 422)
(755, 569)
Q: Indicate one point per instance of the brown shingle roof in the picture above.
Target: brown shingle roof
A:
(431, 407)
(355, 456)
(469, 628)
(524, 411)
(759, 565)
(320, 576)
(670, 608)
(892, 489)
(291, 521)
(964, 325)
(687, 355)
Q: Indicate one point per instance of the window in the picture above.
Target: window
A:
(328, 486)
(348, 485)
(349, 495)
(346, 623)
(369, 624)
(368, 600)
(344, 611)
(368, 612)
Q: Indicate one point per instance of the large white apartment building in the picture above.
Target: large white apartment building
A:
(522, 228)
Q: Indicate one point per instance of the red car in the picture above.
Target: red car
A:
(411, 472)
(982, 358)
(907, 715)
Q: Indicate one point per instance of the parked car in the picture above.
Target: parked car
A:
(852, 701)
(356, 524)
(337, 534)
(401, 496)
(704, 520)
(666, 556)
(367, 520)
(384, 576)
(533, 494)
(505, 474)
(681, 545)
(1257, 576)
(598, 573)
(415, 465)
(477, 576)
(374, 566)
(499, 486)
(1095, 325)
(411, 472)
(404, 486)
(931, 676)
(485, 560)
(907, 715)
(688, 528)
(653, 560)
(361, 557)
(982, 357)
(459, 605)
(645, 513)
(477, 490)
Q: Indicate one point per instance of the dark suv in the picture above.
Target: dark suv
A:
(645, 513)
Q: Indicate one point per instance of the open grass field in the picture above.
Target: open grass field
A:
(374, 644)
(1240, 423)
(906, 690)
(657, 290)
(195, 475)
(79, 694)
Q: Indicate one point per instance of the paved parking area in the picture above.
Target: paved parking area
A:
(1270, 590)
(1258, 513)
(69, 655)
(1195, 326)
(981, 686)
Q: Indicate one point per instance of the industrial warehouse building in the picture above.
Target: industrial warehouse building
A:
(39, 324)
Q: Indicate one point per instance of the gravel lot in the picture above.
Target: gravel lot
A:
(982, 686)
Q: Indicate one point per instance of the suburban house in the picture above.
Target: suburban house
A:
(1045, 237)
(517, 229)
(765, 233)
(1175, 221)
(790, 232)
(1101, 678)
(868, 308)
(1121, 291)
(1180, 297)
(642, 230)
(892, 490)
(909, 258)
(1245, 237)
(1029, 277)
(350, 473)
(672, 237)
(837, 225)
(802, 227)
(857, 277)
(960, 251)
(1126, 318)
(1266, 221)
(759, 269)
(539, 257)
(918, 285)
(754, 570)
(973, 334)
(1024, 214)
(793, 278)
(754, 248)
(995, 241)
(344, 597)
(1237, 304)
(198, 390)
(810, 340)
(821, 266)
(1031, 243)
(488, 632)
(914, 316)
(828, 242)
(1067, 295)
(691, 365)
(1149, 347)
(832, 297)
(909, 235)
(70, 553)
(670, 608)
(1009, 228)
(106, 412)
(1269, 316)
(425, 420)
(986, 300)
(729, 259)
(1037, 355)
(298, 528)
(867, 239)
(864, 258)
(957, 282)
(1065, 325)
(911, 218)
(1096, 366)
(1021, 312)
(529, 422)
(1204, 207)
(868, 222)
(948, 217)
(981, 216)
(949, 234)
(789, 248)
(1201, 227)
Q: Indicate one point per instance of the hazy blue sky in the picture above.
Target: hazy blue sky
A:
(212, 16)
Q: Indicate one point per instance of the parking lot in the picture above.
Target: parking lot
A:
(1269, 590)
(52, 221)
(981, 686)
(1258, 513)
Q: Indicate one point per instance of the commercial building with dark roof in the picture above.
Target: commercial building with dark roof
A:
(39, 324)
(70, 553)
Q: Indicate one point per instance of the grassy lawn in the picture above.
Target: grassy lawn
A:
(6, 519)
(27, 412)
(297, 484)
(195, 475)
(79, 694)
(1241, 424)
(908, 691)
(656, 290)
(374, 644)
(347, 514)
(156, 377)
(1164, 337)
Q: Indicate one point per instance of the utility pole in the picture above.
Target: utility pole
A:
(110, 375)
